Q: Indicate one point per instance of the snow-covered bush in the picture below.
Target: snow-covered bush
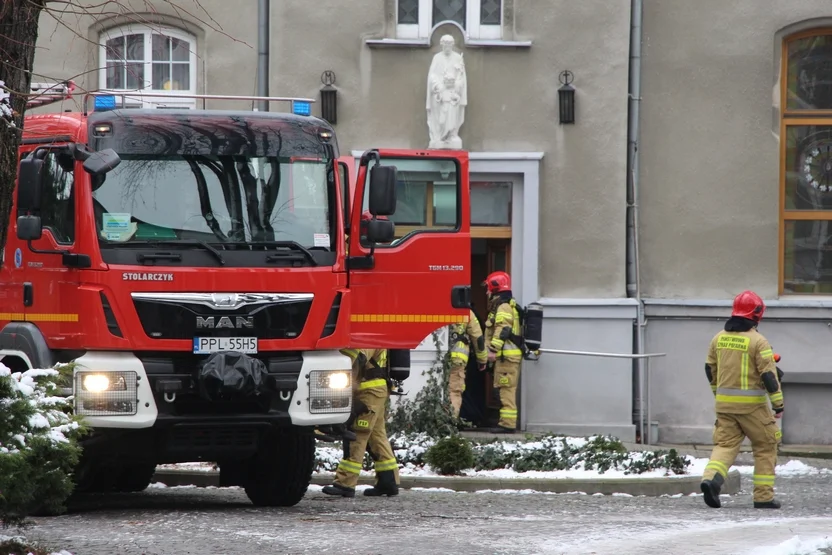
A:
(38, 444)
(553, 452)
(19, 545)
(450, 455)
(546, 453)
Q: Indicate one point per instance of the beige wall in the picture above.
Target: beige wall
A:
(512, 102)
(710, 146)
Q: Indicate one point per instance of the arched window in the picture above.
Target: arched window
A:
(481, 19)
(150, 59)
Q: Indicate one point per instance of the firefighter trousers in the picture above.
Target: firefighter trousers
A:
(760, 427)
(506, 377)
(370, 434)
(456, 384)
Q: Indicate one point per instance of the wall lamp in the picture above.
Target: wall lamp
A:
(329, 97)
(566, 98)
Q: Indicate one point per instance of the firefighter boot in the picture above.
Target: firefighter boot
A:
(385, 485)
(338, 489)
(773, 504)
(711, 488)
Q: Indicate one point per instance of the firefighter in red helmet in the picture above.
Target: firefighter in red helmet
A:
(503, 340)
(742, 371)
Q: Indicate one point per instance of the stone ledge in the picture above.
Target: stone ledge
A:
(653, 487)
(425, 43)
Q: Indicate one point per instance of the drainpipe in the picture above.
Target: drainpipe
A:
(633, 269)
(263, 54)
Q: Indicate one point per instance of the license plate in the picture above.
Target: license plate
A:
(208, 345)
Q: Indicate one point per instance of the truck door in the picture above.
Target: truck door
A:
(403, 289)
(13, 278)
(54, 304)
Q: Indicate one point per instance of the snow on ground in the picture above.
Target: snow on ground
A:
(697, 467)
(796, 546)
(192, 466)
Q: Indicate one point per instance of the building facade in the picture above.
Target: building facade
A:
(697, 166)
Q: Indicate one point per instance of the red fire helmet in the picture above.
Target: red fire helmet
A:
(748, 304)
(497, 282)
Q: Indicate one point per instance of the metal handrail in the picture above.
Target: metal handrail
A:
(645, 439)
(138, 95)
(592, 354)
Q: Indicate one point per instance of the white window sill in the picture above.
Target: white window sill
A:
(425, 43)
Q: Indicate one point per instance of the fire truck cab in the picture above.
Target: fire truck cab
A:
(200, 271)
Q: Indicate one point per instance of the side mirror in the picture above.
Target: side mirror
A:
(382, 191)
(29, 184)
(101, 162)
(29, 228)
(380, 231)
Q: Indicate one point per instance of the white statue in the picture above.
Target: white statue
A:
(447, 96)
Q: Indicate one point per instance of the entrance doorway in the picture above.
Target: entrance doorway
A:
(479, 403)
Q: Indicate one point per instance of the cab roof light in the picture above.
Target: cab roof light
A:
(102, 129)
(301, 108)
(104, 103)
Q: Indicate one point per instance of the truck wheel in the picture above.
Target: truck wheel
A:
(133, 478)
(280, 472)
(94, 478)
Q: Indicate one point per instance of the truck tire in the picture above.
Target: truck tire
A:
(134, 478)
(280, 472)
(94, 478)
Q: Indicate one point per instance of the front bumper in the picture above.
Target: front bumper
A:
(168, 397)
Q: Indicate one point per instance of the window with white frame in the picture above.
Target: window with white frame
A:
(149, 59)
(480, 19)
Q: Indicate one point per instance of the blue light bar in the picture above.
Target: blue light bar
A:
(104, 103)
(301, 108)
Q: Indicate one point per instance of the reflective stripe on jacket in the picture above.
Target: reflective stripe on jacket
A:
(503, 319)
(472, 330)
(738, 360)
(370, 356)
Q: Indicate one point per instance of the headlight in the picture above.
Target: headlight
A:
(338, 380)
(330, 391)
(97, 383)
(105, 393)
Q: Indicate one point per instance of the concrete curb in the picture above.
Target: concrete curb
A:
(652, 487)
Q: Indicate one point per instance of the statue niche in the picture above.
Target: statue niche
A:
(447, 96)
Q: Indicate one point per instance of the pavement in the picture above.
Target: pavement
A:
(197, 521)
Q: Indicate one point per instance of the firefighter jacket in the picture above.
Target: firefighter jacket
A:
(369, 368)
(461, 338)
(741, 370)
(502, 330)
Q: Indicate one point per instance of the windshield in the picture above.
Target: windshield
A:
(215, 199)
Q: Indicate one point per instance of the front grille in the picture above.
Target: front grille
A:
(169, 320)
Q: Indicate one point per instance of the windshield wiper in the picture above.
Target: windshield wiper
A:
(274, 257)
(191, 242)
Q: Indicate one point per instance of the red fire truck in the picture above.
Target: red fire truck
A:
(202, 269)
